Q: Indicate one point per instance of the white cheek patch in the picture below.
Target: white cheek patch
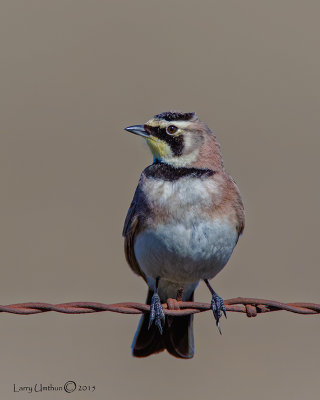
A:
(183, 160)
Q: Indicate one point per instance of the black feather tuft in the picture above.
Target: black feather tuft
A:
(175, 116)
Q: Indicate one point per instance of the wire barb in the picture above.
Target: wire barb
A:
(250, 306)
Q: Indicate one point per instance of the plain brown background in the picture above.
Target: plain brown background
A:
(73, 75)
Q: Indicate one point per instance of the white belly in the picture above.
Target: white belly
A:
(185, 253)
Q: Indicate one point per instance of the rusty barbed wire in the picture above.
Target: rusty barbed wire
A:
(250, 306)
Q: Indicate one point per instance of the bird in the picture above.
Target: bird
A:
(183, 223)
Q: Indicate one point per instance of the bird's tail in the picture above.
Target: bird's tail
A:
(177, 337)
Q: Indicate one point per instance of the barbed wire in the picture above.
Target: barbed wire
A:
(250, 306)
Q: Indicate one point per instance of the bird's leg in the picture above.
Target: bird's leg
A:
(180, 294)
(156, 311)
(217, 305)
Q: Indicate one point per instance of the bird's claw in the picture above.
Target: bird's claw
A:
(156, 312)
(217, 305)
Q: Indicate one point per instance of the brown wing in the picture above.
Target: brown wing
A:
(230, 201)
(132, 225)
(237, 205)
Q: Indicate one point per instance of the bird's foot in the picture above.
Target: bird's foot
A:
(217, 305)
(156, 312)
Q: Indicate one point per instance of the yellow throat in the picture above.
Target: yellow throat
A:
(159, 148)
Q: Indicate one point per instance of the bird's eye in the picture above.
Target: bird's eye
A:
(171, 130)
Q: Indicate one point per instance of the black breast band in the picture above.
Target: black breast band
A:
(168, 173)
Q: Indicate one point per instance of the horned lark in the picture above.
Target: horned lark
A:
(182, 226)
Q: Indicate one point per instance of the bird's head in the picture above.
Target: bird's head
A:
(181, 140)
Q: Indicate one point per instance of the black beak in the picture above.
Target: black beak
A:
(137, 130)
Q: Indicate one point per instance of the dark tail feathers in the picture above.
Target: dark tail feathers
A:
(177, 337)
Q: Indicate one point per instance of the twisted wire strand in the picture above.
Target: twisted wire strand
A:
(250, 306)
